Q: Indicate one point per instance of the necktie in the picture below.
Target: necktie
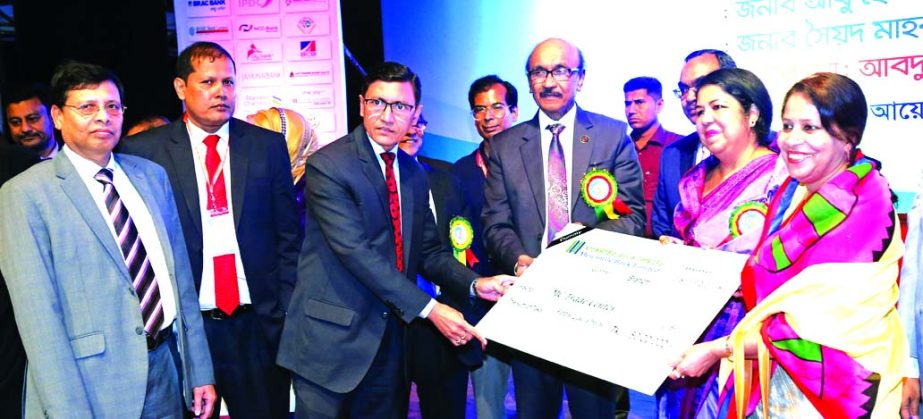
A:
(139, 267)
(394, 206)
(556, 195)
(227, 293)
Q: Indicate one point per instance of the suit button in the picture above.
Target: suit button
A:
(384, 315)
(139, 330)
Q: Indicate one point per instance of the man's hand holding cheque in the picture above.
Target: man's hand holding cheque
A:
(452, 324)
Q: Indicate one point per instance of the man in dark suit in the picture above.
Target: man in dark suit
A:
(438, 368)
(369, 230)
(25, 108)
(97, 269)
(237, 207)
(14, 159)
(679, 157)
(494, 108)
(533, 190)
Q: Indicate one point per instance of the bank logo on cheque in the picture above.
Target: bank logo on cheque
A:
(575, 246)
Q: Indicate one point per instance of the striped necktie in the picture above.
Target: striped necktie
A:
(139, 266)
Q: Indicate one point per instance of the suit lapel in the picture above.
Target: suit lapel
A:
(180, 151)
(77, 192)
(581, 154)
(531, 151)
(370, 167)
(240, 163)
(148, 195)
(407, 200)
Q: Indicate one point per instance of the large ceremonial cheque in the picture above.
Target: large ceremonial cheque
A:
(617, 307)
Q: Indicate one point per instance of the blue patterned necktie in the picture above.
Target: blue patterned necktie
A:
(139, 266)
(556, 196)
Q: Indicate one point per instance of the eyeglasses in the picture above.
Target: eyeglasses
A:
(90, 109)
(560, 73)
(400, 109)
(497, 109)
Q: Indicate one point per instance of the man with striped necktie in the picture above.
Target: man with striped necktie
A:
(96, 266)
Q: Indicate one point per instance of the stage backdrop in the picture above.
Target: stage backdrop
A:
(288, 54)
(878, 43)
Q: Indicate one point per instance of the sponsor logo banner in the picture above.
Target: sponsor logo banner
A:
(305, 5)
(312, 97)
(259, 75)
(304, 25)
(307, 49)
(257, 98)
(200, 8)
(257, 27)
(255, 6)
(209, 29)
(258, 52)
(314, 72)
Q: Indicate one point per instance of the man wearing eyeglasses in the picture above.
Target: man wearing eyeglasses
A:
(643, 103)
(369, 231)
(92, 251)
(494, 108)
(26, 111)
(533, 191)
(236, 202)
(679, 157)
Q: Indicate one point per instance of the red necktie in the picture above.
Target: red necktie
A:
(394, 205)
(227, 294)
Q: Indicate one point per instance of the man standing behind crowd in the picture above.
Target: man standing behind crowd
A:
(369, 230)
(679, 157)
(236, 203)
(98, 273)
(494, 106)
(643, 103)
(27, 118)
(533, 191)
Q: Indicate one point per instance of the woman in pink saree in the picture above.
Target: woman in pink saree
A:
(723, 202)
(821, 337)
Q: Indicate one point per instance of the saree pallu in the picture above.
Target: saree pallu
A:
(821, 289)
(706, 221)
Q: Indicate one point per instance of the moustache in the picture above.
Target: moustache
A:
(29, 135)
(550, 93)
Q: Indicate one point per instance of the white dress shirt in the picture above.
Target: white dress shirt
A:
(378, 149)
(140, 216)
(214, 242)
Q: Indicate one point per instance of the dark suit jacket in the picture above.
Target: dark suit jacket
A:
(449, 203)
(514, 210)
(675, 161)
(348, 283)
(263, 201)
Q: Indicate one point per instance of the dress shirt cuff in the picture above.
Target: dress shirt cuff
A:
(472, 291)
(913, 369)
(429, 307)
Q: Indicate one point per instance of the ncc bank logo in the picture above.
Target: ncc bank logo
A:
(575, 246)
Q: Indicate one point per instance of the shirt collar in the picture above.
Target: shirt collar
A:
(87, 169)
(197, 135)
(377, 148)
(567, 120)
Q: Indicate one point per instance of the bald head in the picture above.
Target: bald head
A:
(555, 69)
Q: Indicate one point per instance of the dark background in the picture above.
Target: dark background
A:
(134, 39)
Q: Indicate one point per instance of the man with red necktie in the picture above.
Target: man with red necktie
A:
(369, 230)
(236, 203)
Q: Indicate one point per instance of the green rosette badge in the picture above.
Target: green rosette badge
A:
(461, 235)
(599, 190)
(747, 217)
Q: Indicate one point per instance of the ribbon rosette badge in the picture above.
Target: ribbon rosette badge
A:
(747, 217)
(461, 235)
(599, 191)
